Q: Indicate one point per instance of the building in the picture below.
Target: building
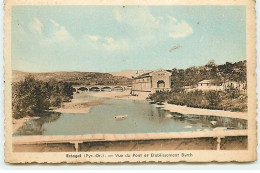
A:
(211, 85)
(208, 85)
(155, 81)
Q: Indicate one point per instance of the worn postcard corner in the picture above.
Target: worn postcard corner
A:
(124, 82)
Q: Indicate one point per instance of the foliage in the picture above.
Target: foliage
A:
(31, 96)
(213, 97)
(218, 73)
(222, 100)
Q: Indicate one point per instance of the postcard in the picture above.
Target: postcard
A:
(130, 81)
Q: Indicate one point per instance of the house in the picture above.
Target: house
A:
(211, 85)
(206, 85)
(154, 81)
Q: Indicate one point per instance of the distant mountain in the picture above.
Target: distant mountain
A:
(130, 73)
(88, 78)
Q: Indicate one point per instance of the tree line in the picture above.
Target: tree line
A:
(32, 97)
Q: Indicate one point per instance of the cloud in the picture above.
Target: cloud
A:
(180, 30)
(54, 23)
(172, 18)
(112, 45)
(61, 35)
(136, 17)
(109, 39)
(54, 32)
(148, 26)
(36, 26)
(93, 37)
(105, 43)
(57, 34)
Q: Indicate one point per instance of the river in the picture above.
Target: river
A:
(142, 117)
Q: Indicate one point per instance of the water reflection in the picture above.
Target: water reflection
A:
(142, 117)
(35, 126)
(207, 121)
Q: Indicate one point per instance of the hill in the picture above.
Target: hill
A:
(77, 78)
(129, 73)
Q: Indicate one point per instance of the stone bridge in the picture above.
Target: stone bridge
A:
(78, 88)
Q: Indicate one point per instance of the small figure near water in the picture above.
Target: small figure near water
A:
(168, 116)
(213, 123)
(121, 117)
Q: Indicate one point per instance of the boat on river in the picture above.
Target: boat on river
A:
(121, 117)
(213, 123)
(168, 116)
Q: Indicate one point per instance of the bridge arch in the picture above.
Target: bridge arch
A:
(106, 88)
(94, 88)
(82, 88)
(74, 89)
(119, 88)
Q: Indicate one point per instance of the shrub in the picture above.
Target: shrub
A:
(31, 96)
(204, 99)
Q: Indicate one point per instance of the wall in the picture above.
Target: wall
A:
(142, 84)
(161, 75)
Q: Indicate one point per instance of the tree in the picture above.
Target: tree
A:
(213, 97)
(31, 96)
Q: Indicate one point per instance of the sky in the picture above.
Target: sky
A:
(116, 38)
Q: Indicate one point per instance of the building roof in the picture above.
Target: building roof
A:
(143, 75)
(148, 74)
(205, 81)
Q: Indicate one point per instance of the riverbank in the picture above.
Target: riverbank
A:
(200, 111)
(121, 95)
(81, 106)
(78, 106)
(174, 108)
(17, 123)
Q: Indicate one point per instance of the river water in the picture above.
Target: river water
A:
(142, 117)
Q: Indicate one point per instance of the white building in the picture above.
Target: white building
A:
(205, 85)
(208, 85)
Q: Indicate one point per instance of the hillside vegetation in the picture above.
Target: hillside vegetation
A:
(230, 99)
(218, 73)
(76, 78)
